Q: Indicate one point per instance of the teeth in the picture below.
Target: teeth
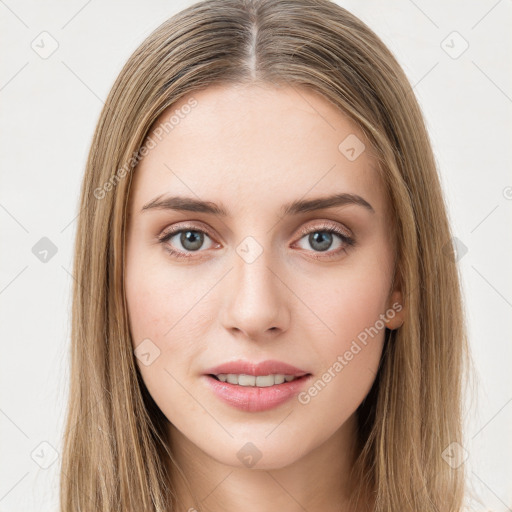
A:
(261, 381)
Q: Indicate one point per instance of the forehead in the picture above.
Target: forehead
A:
(249, 145)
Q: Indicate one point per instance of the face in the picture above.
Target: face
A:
(306, 286)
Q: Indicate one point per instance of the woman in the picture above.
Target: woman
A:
(267, 312)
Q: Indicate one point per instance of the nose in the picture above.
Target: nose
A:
(256, 299)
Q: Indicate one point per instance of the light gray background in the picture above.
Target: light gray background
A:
(50, 107)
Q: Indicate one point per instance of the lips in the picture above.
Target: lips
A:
(267, 367)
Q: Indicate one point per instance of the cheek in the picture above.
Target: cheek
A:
(160, 298)
(163, 324)
(347, 334)
(170, 307)
(347, 302)
(149, 302)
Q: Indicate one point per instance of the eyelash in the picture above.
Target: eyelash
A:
(326, 227)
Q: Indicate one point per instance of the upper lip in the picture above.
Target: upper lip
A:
(268, 367)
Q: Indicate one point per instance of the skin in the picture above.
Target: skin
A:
(253, 148)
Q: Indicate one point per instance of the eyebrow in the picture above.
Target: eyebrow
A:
(190, 204)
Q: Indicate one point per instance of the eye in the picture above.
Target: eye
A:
(321, 238)
(190, 240)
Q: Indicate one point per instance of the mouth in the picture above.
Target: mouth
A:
(255, 393)
(255, 386)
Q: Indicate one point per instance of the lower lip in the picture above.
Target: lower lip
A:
(254, 399)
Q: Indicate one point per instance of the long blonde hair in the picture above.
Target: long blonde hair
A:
(115, 450)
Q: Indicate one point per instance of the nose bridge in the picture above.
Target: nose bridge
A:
(252, 273)
(256, 301)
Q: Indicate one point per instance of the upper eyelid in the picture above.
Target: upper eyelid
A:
(176, 228)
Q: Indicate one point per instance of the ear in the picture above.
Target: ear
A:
(396, 310)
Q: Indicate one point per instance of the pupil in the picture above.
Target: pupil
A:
(322, 241)
(191, 240)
